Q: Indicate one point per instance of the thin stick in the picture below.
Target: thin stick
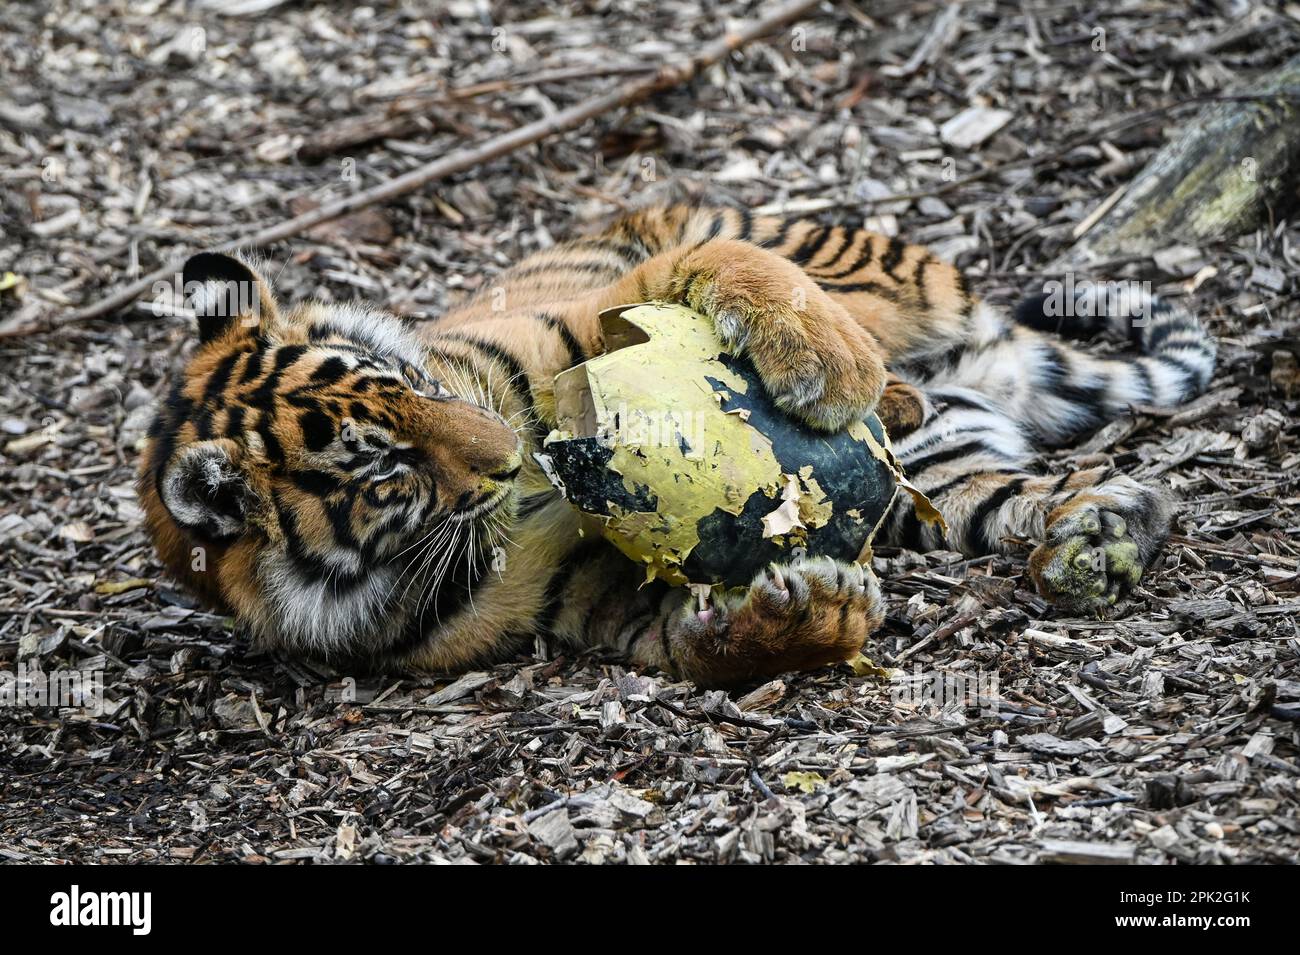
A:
(667, 76)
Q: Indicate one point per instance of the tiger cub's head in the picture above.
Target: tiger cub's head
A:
(308, 459)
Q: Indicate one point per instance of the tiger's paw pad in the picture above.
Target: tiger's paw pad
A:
(1088, 561)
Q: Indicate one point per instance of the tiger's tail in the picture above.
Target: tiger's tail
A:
(1177, 354)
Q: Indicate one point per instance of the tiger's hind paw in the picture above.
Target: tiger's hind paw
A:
(1093, 556)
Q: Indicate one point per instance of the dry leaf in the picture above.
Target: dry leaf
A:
(110, 588)
(804, 782)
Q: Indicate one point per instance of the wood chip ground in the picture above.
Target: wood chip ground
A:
(131, 132)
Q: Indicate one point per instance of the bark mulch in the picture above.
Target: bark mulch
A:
(132, 132)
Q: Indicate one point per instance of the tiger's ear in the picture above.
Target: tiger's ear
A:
(206, 491)
(226, 294)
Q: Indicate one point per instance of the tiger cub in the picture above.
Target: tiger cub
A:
(351, 486)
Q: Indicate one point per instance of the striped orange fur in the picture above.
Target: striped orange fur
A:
(350, 486)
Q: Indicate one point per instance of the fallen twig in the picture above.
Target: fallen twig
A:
(667, 76)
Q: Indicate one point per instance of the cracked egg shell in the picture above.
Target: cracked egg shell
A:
(673, 445)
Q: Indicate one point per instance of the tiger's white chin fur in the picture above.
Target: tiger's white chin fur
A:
(309, 613)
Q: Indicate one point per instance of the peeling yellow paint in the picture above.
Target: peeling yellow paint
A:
(592, 392)
(925, 510)
(686, 452)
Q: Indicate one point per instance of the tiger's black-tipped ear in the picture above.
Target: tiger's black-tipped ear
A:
(226, 295)
(205, 491)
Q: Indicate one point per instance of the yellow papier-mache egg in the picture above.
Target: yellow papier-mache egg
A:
(674, 449)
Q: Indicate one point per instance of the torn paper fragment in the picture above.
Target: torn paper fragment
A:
(783, 520)
(547, 464)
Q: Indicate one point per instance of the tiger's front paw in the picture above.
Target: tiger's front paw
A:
(1095, 554)
(817, 363)
(809, 613)
(902, 409)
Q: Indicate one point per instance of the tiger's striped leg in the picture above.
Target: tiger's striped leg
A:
(815, 307)
(902, 298)
(907, 299)
(797, 616)
(1099, 530)
(815, 360)
(806, 614)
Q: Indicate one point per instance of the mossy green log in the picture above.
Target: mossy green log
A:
(1231, 167)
